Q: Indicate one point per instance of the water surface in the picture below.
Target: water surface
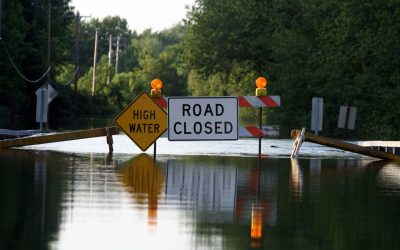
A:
(63, 200)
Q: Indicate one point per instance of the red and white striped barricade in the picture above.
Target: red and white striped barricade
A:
(245, 102)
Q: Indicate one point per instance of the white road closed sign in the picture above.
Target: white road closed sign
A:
(202, 118)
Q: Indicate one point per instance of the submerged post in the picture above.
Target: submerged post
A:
(109, 140)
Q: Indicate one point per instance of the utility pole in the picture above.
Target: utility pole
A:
(94, 64)
(48, 42)
(117, 57)
(109, 59)
(46, 125)
(77, 38)
(77, 58)
(1, 10)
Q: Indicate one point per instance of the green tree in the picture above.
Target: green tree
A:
(24, 43)
(160, 56)
(342, 51)
(12, 87)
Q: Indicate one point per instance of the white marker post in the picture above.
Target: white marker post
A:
(317, 114)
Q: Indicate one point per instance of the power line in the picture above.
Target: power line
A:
(73, 76)
(17, 70)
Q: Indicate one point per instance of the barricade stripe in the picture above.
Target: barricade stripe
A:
(162, 101)
(254, 131)
(255, 101)
(269, 101)
(244, 101)
(261, 101)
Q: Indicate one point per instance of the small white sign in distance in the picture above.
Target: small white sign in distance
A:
(202, 118)
(350, 113)
(317, 113)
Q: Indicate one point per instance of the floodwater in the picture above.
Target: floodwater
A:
(197, 195)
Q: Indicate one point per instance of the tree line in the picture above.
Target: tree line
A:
(344, 51)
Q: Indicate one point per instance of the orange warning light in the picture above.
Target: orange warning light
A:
(261, 82)
(156, 84)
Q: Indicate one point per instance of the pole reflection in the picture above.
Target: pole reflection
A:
(30, 195)
(315, 178)
(257, 212)
(40, 180)
(145, 180)
(296, 180)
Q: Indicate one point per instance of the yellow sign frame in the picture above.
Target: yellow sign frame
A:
(140, 130)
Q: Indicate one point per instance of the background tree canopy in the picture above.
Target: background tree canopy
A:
(344, 51)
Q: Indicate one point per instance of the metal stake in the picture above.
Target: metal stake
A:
(260, 127)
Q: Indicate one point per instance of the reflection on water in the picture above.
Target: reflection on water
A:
(70, 201)
(296, 179)
(30, 194)
(145, 181)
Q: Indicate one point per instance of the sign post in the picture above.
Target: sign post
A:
(203, 118)
(261, 83)
(143, 120)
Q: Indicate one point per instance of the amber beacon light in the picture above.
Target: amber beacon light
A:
(261, 83)
(156, 86)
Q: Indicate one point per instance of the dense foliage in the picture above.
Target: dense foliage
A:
(344, 51)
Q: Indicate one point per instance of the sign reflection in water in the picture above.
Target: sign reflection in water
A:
(220, 193)
(145, 180)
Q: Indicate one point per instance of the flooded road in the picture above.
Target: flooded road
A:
(65, 200)
(243, 147)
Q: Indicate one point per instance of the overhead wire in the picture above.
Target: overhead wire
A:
(16, 68)
(73, 76)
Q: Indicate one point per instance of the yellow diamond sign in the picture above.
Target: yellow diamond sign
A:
(143, 120)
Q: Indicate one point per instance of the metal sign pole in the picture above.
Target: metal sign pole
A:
(42, 92)
(260, 127)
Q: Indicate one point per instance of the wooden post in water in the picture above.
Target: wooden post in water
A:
(155, 149)
(345, 146)
(109, 140)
